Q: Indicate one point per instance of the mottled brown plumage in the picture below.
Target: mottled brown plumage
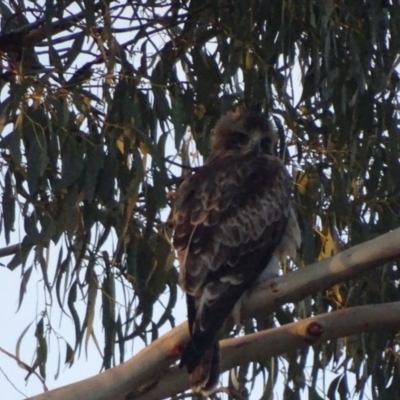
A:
(232, 218)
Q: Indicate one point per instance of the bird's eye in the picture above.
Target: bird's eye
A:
(239, 138)
(265, 145)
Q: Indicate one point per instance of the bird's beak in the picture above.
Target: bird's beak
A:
(256, 145)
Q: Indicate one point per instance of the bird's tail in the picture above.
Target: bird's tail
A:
(204, 375)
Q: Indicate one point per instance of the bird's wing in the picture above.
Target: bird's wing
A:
(228, 217)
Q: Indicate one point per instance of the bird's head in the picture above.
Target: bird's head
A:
(243, 132)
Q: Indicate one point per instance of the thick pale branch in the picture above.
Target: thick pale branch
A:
(139, 374)
(262, 345)
(324, 274)
(142, 372)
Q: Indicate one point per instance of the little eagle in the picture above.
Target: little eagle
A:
(234, 222)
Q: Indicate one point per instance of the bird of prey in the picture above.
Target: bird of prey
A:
(233, 222)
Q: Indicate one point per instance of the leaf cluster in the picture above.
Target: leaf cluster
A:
(102, 102)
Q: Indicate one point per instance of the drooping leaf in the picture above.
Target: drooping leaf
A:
(24, 283)
(67, 217)
(75, 49)
(62, 273)
(178, 119)
(92, 281)
(18, 344)
(108, 318)
(22, 253)
(36, 155)
(8, 203)
(158, 79)
(4, 111)
(72, 297)
(72, 159)
(41, 350)
(313, 394)
(69, 355)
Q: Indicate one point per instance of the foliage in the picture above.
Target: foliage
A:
(101, 103)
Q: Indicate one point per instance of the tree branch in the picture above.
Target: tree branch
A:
(148, 369)
(273, 342)
(323, 275)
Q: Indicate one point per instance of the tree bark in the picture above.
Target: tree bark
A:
(149, 374)
(273, 342)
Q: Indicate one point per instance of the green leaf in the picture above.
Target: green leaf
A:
(158, 80)
(22, 254)
(178, 120)
(159, 178)
(132, 258)
(120, 335)
(208, 76)
(72, 159)
(4, 113)
(62, 272)
(75, 50)
(144, 117)
(15, 146)
(92, 281)
(90, 12)
(41, 351)
(72, 297)
(49, 15)
(313, 394)
(7, 14)
(31, 229)
(94, 162)
(67, 218)
(172, 280)
(8, 203)
(24, 283)
(338, 385)
(18, 344)
(54, 58)
(151, 210)
(57, 373)
(106, 179)
(36, 155)
(69, 355)
(39, 258)
(48, 227)
(393, 152)
(108, 300)
(62, 119)
(12, 143)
